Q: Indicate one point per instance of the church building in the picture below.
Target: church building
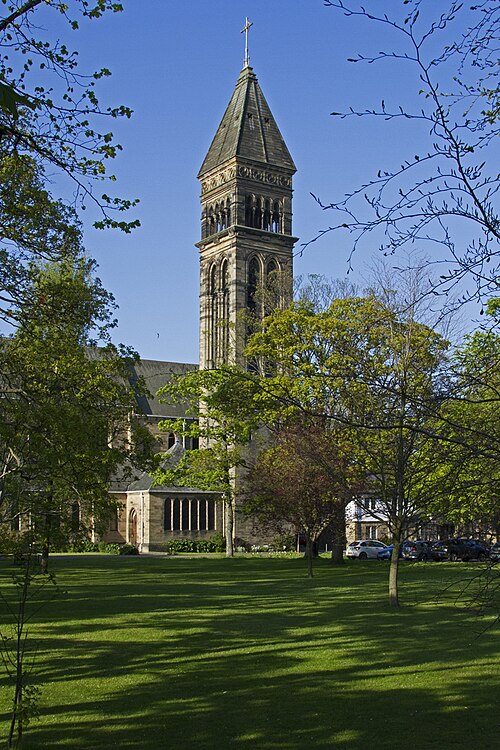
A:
(246, 235)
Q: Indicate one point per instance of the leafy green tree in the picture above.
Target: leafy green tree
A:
(49, 109)
(466, 478)
(222, 421)
(369, 368)
(34, 229)
(305, 480)
(67, 421)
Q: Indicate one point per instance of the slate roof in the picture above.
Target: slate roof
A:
(155, 374)
(248, 130)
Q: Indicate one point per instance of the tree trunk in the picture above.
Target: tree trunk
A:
(337, 557)
(393, 575)
(44, 558)
(229, 527)
(339, 540)
(309, 555)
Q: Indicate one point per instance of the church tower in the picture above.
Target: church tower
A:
(246, 218)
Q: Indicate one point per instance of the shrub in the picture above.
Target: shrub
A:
(284, 543)
(128, 549)
(109, 549)
(216, 543)
(83, 545)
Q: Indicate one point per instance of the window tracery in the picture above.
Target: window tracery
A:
(261, 212)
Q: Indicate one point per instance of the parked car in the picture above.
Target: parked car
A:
(448, 549)
(417, 550)
(495, 552)
(439, 551)
(461, 549)
(475, 550)
(364, 549)
(385, 554)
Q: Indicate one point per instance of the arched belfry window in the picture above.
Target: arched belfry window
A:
(211, 226)
(258, 214)
(263, 213)
(249, 210)
(276, 218)
(266, 222)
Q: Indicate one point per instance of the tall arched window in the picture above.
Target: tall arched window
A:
(253, 283)
(271, 266)
(224, 333)
(214, 315)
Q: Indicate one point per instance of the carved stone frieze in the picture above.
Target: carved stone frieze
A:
(264, 175)
(249, 173)
(218, 179)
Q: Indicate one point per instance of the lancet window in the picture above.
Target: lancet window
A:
(189, 514)
(253, 283)
(219, 298)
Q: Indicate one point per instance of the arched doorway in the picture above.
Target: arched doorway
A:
(132, 527)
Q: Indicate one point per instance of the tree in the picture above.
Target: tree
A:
(446, 196)
(32, 591)
(305, 480)
(34, 229)
(371, 369)
(466, 477)
(49, 110)
(222, 422)
(67, 421)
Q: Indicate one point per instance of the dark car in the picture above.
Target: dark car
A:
(417, 550)
(449, 549)
(461, 549)
(475, 550)
(495, 552)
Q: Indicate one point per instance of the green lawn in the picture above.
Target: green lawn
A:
(248, 653)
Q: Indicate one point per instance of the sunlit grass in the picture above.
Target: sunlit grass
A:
(248, 653)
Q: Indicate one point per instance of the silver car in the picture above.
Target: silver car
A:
(365, 548)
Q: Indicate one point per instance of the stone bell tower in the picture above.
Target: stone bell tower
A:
(246, 218)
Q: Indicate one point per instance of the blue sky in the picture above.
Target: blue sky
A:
(176, 64)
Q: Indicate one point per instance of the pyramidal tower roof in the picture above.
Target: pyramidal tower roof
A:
(248, 130)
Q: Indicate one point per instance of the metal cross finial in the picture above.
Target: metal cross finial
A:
(245, 30)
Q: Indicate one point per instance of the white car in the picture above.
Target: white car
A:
(365, 548)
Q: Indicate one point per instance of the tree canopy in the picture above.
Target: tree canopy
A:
(49, 109)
